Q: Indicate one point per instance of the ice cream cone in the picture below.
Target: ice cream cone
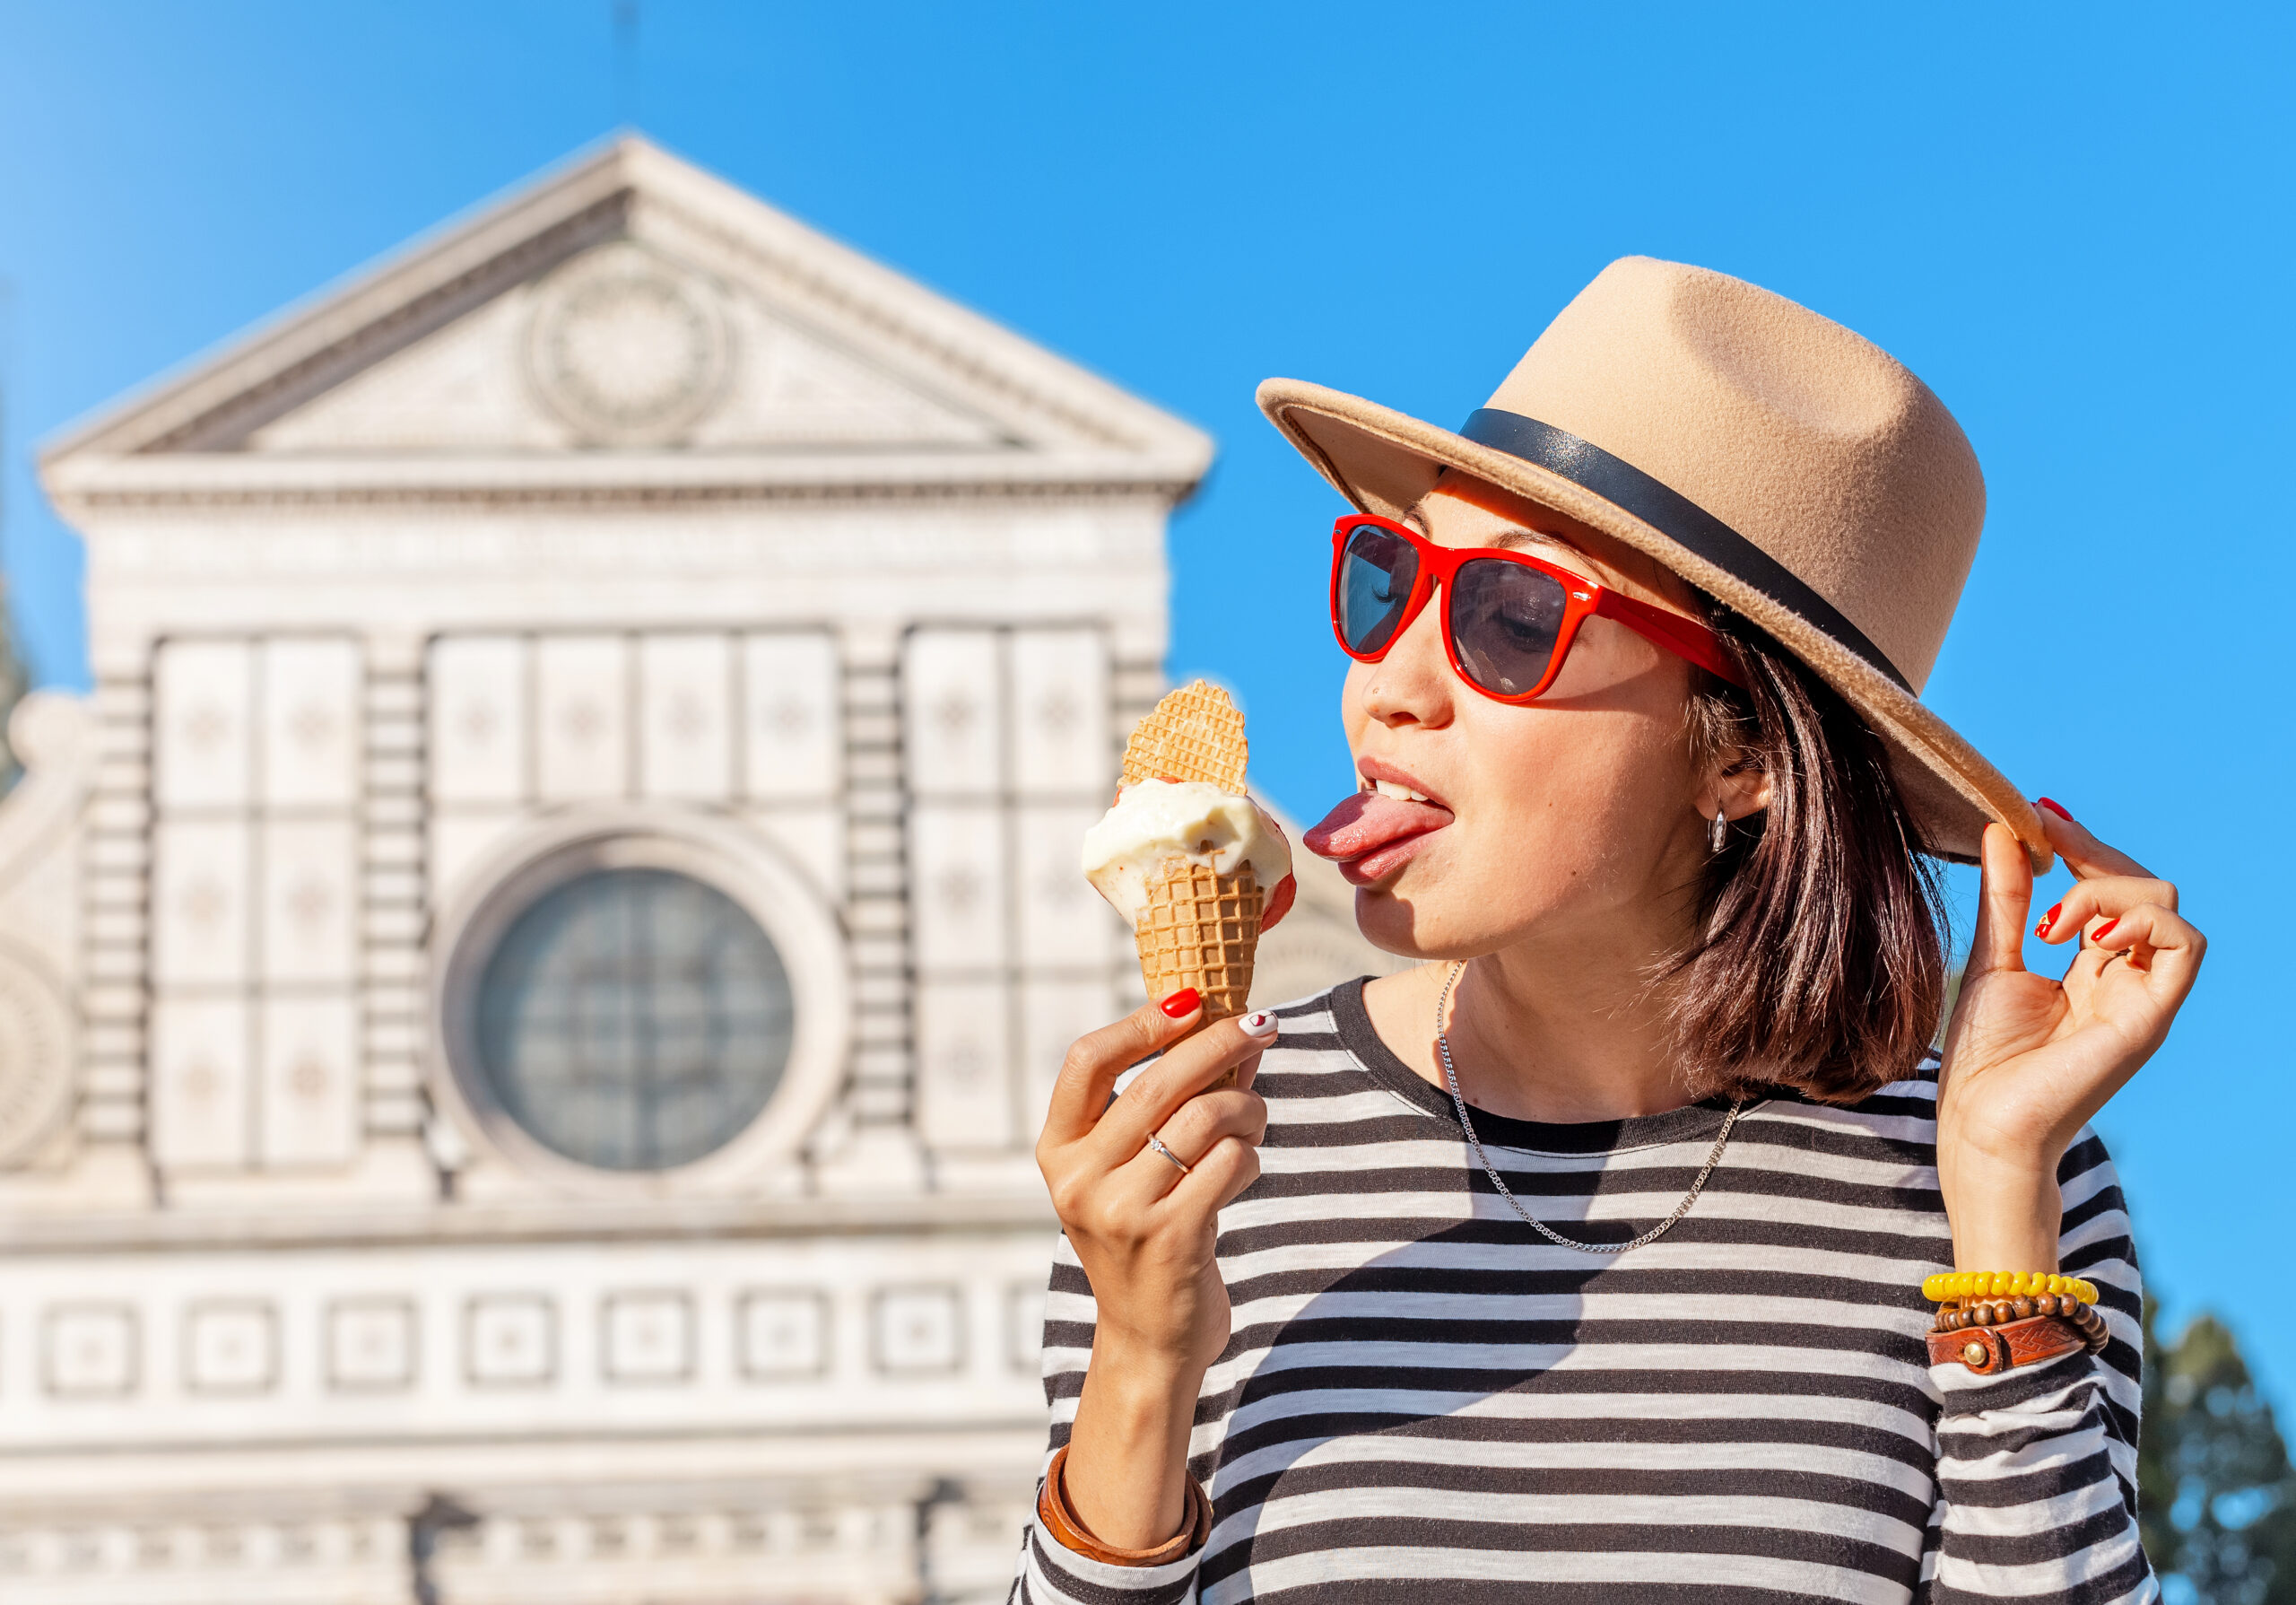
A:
(1201, 929)
(1195, 734)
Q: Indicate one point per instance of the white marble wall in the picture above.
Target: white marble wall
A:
(255, 904)
(1007, 746)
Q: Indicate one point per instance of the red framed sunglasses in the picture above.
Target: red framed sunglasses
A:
(1509, 620)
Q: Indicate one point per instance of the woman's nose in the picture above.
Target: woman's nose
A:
(1413, 684)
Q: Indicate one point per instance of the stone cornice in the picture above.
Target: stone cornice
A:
(557, 1220)
(605, 480)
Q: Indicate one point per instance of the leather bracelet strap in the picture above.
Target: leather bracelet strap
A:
(1058, 1517)
(1989, 1350)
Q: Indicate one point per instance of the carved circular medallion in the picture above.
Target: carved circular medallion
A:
(35, 1059)
(629, 348)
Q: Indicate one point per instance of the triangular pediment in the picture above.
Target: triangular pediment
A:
(639, 315)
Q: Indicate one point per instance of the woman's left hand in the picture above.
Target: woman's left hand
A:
(2027, 1059)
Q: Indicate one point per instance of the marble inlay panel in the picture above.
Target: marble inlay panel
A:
(964, 1091)
(582, 724)
(476, 730)
(793, 734)
(201, 1087)
(953, 708)
(202, 715)
(1060, 715)
(685, 734)
(310, 1079)
(311, 725)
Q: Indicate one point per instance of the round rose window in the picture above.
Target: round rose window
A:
(633, 1019)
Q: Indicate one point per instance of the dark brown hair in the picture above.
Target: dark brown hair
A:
(1821, 965)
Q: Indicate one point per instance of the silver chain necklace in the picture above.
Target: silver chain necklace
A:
(1451, 1080)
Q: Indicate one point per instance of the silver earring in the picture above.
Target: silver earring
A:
(1718, 837)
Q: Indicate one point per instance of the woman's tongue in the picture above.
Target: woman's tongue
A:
(1369, 822)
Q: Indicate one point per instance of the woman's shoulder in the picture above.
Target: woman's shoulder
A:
(1897, 1119)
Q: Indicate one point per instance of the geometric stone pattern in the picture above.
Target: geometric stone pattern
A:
(366, 1344)
(255, 906)
(522, 723)
(1008, 746)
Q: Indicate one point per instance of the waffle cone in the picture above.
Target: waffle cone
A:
(1195, 734)
(1201, 929)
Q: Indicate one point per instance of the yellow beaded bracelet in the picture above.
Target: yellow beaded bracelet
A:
(2004, 1284)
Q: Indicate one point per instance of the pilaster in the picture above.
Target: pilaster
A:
(394, 917)
(114, 991)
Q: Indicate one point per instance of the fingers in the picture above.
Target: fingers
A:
(2157, 941)
(1196, 1133)
(2094, 902)
(1095, 1061)
(2083, 853)
(1185, 1070)
(2003, 898)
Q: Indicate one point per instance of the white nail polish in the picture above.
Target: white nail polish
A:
(1259, 1023)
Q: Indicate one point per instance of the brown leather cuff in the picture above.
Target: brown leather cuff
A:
(1056, 1516)
(1989, 1350)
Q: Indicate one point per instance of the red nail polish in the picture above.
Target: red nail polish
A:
(2055, 808)
(1181, 1003)
(2099, 934)
(2049, 918)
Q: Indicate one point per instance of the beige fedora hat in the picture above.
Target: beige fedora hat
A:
(1769, 456)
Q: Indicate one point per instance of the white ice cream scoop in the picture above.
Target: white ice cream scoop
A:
(1155, 822)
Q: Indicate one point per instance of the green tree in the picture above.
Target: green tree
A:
(2213, 1483)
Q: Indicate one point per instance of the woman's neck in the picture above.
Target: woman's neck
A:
(1565, 1033)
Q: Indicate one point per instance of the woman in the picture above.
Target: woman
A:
(1588, 1260)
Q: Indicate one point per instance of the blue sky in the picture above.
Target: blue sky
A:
(2074, 223)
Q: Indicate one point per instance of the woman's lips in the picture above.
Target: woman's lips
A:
(1370, 834)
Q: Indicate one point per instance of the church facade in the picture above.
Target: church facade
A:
(527, 989)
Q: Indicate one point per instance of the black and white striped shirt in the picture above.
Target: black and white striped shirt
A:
(1424, 1400)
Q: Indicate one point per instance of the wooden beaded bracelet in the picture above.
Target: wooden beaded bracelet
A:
(1960, 1315)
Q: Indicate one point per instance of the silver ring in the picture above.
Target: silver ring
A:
(1157, 1143)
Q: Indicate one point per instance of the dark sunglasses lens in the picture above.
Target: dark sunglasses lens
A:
(1377, 570)
(1504, 620)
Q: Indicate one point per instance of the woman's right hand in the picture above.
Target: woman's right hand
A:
(1146, 1235)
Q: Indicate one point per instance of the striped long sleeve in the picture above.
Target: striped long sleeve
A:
(1421, 1399)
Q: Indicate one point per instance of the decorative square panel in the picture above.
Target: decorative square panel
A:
(511, 1339)
(953, 713)
(964, 1084)
(200, 882)
(685, 739)
(200, 1087)
(1059, 715)
(918, 1332)
(582, 717)
(957, 888)
(1053, 1014)
(1024, 1326)
(90, 1351)
(311, 747)
(310, 1098)
(793, 735)
(370, 1344)
(1064, 923)
(230, 1346)
(309, 915)
(202, 718)
(782, 1334)
(648, 1338)
(477, 727)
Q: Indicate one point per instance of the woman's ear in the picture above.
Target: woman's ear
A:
(1737, 792)
(1745, 791)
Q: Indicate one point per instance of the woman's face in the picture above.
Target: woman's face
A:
(1579, 814)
